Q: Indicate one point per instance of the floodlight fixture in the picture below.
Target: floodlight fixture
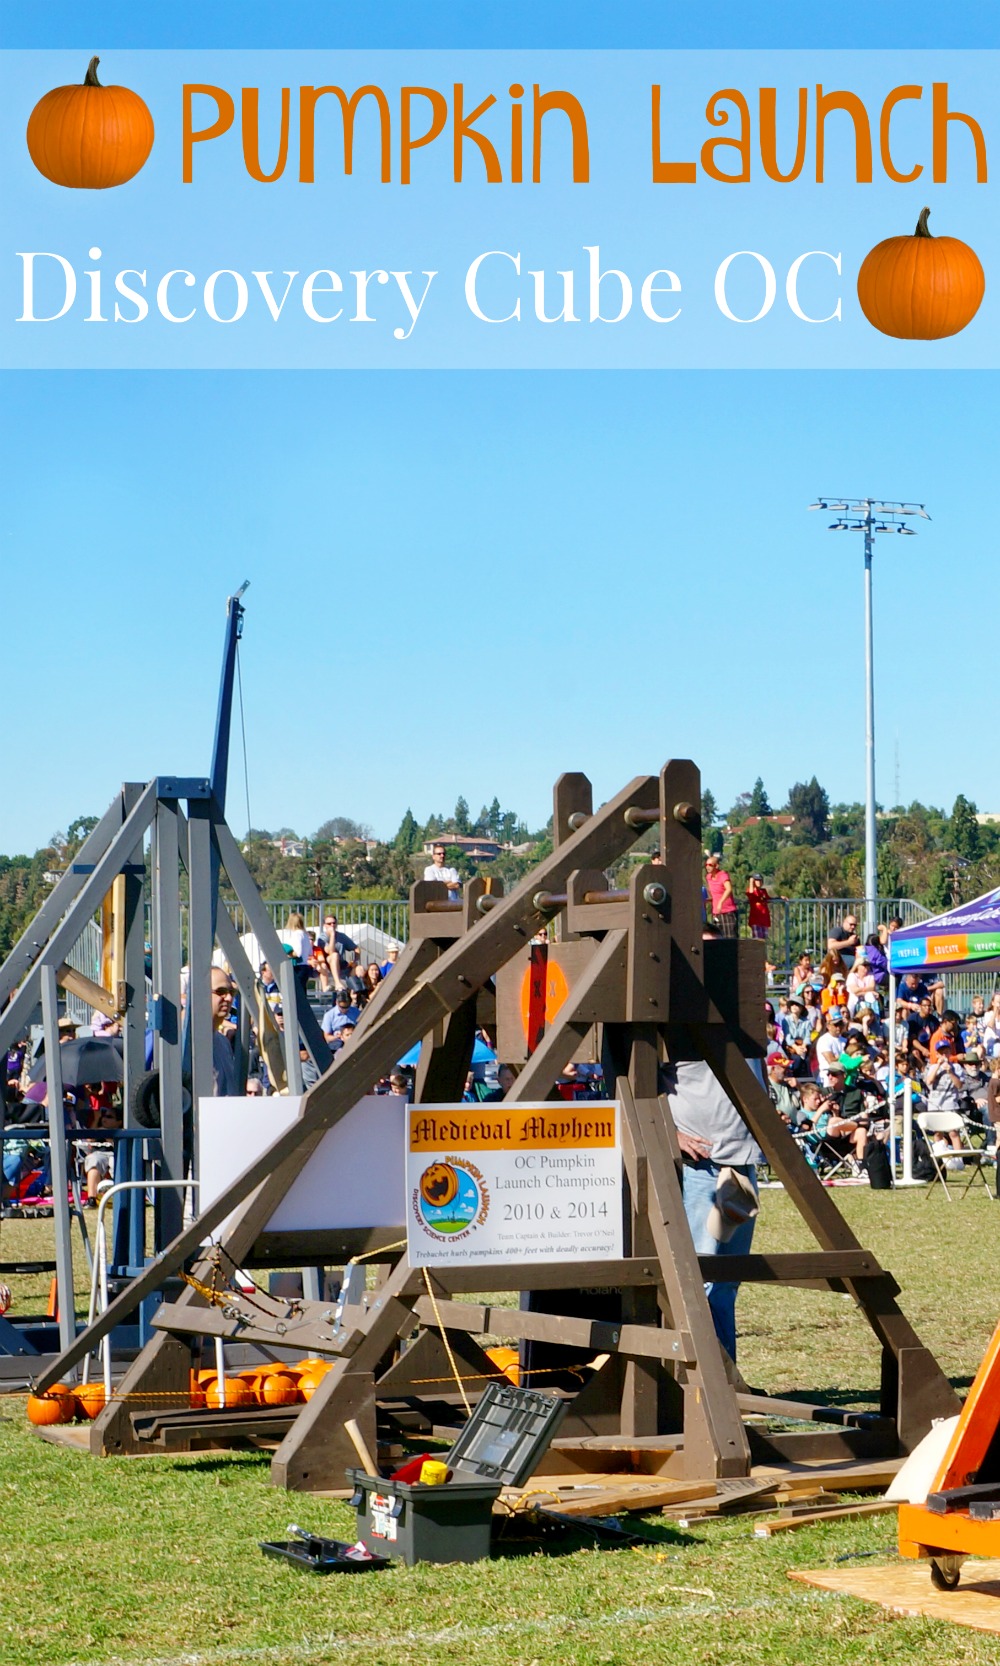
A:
(870, 515)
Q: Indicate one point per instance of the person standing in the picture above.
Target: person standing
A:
(719, 1177)
(437, 870)
(225, 1081)
(758, 905)
(720, 892)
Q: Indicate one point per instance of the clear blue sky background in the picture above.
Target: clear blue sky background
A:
(470, 581)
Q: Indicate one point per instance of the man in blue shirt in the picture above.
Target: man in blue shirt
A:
(339, 1015)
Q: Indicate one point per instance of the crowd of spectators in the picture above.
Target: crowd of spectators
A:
(827, 1063)
(828, 1053)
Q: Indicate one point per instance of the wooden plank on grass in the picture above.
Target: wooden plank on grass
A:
(603, 1495)
(809, 1518)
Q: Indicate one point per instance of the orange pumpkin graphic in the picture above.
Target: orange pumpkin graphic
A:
(89, 136)
(921, 287)
(438, 1185)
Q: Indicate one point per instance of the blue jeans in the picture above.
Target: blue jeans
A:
(700, 1181)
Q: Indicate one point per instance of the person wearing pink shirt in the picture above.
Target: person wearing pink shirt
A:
(720, 891)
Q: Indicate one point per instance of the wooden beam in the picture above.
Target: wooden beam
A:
(451, 980)
(796, 1267)
(591, 1335)
(85, 989)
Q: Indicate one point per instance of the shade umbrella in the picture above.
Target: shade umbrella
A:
(481, 1054)
(86, 1059)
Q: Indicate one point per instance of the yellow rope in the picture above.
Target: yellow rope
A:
(447, 1344)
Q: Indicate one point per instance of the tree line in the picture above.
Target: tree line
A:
(936, 857)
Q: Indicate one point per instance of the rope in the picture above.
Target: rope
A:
(418, 1382)
(447, 1344)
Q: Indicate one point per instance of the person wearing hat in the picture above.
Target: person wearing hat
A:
(719, 1176)
(777, 1086)
(830, 1045)
(834, 996)
(796, 1024)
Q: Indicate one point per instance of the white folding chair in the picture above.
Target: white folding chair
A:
(974, 1161)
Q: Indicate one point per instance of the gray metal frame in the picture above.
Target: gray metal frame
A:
(200, 842)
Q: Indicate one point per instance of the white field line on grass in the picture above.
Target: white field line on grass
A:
(318, 1648)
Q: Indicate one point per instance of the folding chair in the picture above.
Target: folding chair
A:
(974, 1161)
(827, 1154)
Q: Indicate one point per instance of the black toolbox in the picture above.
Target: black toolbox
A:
(499, 1447)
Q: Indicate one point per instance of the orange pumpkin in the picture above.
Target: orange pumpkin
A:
(279, 1389)
(309, 1381)
(90, 1400)
(237, 1393)
(56, 1405)
(89, 137)
(921, 287)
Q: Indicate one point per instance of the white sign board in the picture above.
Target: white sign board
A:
(513, 1183)
(354, 1178)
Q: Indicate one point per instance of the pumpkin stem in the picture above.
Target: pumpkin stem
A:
(922, 227)
(90, 79)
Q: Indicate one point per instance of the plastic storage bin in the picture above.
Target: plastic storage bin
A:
(499, 1447)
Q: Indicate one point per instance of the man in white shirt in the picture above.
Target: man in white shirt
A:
(829, 1047)
(712, 1137)
(445, 876)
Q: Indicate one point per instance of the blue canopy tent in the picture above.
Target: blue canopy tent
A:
(481, 1054)
(962, 937)
(968, 935)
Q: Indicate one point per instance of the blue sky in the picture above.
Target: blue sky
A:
(468, 581)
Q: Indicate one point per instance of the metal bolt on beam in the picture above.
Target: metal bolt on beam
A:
(655, 894)
(637, 817)
(685, 811)
(548, 902)
(578, 819)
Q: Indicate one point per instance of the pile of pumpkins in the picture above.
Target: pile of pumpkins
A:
(259, 1385)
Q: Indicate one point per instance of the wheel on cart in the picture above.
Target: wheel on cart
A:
(946, 1571)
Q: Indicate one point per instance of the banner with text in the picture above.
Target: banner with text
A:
(513, 1183)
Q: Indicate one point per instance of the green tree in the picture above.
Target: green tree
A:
(343, 827)
(758, 805)
(407, 838)
(941, 890)
(808, 803)
(709, 810)
(887, 872)
(77, 830)
(963, 829)
(803, 871)
(461, 817)
(493, 819)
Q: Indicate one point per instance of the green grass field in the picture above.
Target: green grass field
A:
(156, 1560)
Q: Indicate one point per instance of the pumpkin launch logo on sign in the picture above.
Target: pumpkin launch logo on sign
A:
(450, 1198)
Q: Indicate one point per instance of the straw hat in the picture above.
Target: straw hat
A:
(735, 1204)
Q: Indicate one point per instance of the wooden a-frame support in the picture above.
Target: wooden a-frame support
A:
(643, 973)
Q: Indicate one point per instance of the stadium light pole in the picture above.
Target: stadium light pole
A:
(870, 515)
